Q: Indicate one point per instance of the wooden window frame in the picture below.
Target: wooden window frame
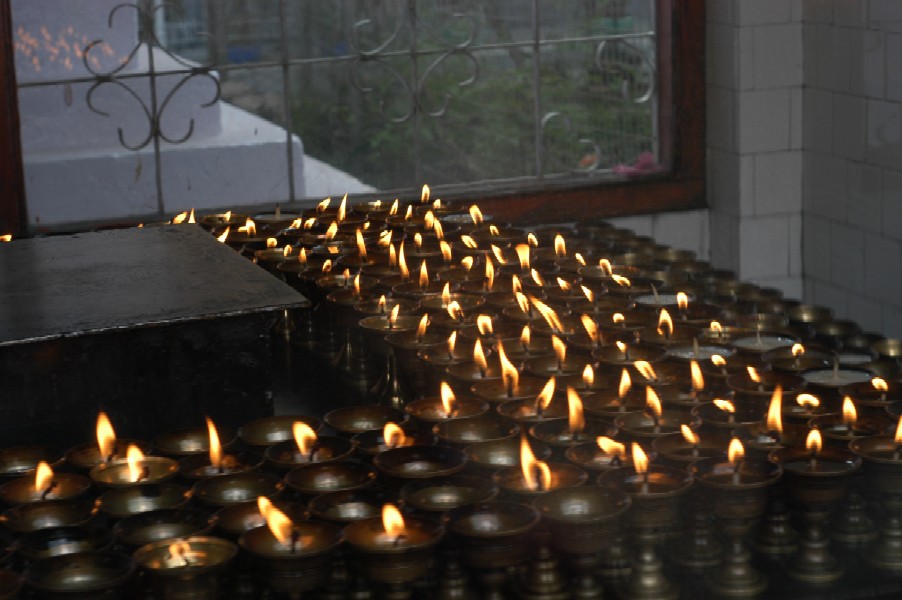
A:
(681, 60)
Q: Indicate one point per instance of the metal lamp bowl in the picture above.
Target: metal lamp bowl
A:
(269, 431)
(127, 501)
(164, 524)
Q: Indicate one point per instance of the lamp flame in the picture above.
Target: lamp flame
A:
(43, 477)
(618, 318)
(304, 437)
(332, 231)
(215, 446)
(646, 370)
(682, 300)
(898, 437)
(753, 374)
(798, 350)
(467, 263)
(591, 328)
(690, 436)
(393, 316)
(402, 264)
(579, 258)
(133, 457)
(493, 230)
(560, 248)
(525, 336)
(448, 399)
(560, 349)
(509, 375)
(484, 324)
(537, 277)
(342, 209)
(446, 295)
(808, 400)
(698, 381)
(106, 437)
(454, 310)
(271, 242)
(249, 227)
(381, 303)
(446, 251)
(849, 414)
(621, 281)
(327, 265)
(393, 435)
(224, 235)
(589, 294)
(575, 418)
(452, 342)
(626, 384)
(287, 250)
(652, 402)
(523, 255)
(605, 265)
(879, 384)
(468, 241)
(408, 214)
(548, 314)
(516, 286)
(385, 238)
(323, 205)
(735, 452)
(424, 275)
(640, 459)
(775, 411)
(479, 355)
(522, 302)
(277, 521)
(665, 324)
(424, 194)
(395, 206)
(179, 218)
(439, 232)
(418, 241)
(588, 376)
(609, 446)
(716, 327)
(532, 240)
(718, 360)
(499, 255)
(814, 443)
(476, 215)
(725, 405)
(543, 400)
(361, 246)
(529, 465)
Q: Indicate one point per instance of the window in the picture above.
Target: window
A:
(540, 108)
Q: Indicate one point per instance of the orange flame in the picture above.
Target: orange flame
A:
(418, 241)
(493, 229)
(327, 265)
(446, 295)
(392, 521)
(179, 218)
(499, 255)
(529, 465)
(753, 374)
(849, 414)
(814, 443)
(133, 457)
(342, 209)
(560, 348)
(361, 245)
(215, 446)
(468, 241)
(476, 215)
(452, 342)
(402, 264)
(509, 375)
(424, 194)
(106, 437)
(618, 318)
(393, 316)
(454, 310)
(591, 328)
(588, 376)
(725, 405)
(448, 399)
(698, 381)
(446, 250)
(271, 242)
(525, 336)
(808, 400)
(408, 214)
(879, 384)
(898, 437)
(224, 235)
(718, 360)
(249, 227)
(532, 240)
(393, 435)
(575, 418)
(385, 238)
(323, 205)
(665, 323)
(543, 400)
(479, 355)
(609, 446)
(579, 258)
(621, 346)
(332, 231)
(605, 265)
(466, 263)
(287, 250)
(652, 402)
(626, 384)
(640, 459)
(395, 206)
(489, 274)
(775, 411)
(646, 370)
(560, 248)
(621, 281)
(548, 314)
(735, 452)
(682, 300)
(798, 350)
(589, 294)
(424, 275)
(381, 303)
(439, 233)
(522, 302)
(180, 550)
(43, 477)
(716, 327)
(537, 277)
(484, 324)
(523, 255)
(304, 437)
(690, 436)
(277, 521)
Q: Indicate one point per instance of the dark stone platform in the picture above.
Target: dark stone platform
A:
(158, 326)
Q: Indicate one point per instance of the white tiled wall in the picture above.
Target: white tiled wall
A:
(852, 166)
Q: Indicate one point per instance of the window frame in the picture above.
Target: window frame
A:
(681, 54)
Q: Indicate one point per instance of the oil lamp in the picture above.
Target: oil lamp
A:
(351, 420)
(763, 341)
(402, 464)
(816, 478)
(529, 411)
(292, 557)
(874, 396)
(348, 506)
(827, 382)
(395, 550)
(368, 444)
(441, 494)
(320, 478)
(622, 354)
(535, 477)
(575, 429)
(269, 431)
(493, 537)
(684, 448)
(18, 461)
(192, 566)
(426, 412)
(655, 491)
(465, 431)
(307, 447)
(723, 416)
(216, 462)
(136, 469)
(798, 358)
(654, 421)
(194, 440)
(43, 485)
(122, 502)
(737, 495)
(23, 518)
(164, 524)
(59, 541)
(485, 458)
(840, 429)
(583, 522)
(236, 488)
(85, 457)
(101, 574)
(603, 454)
